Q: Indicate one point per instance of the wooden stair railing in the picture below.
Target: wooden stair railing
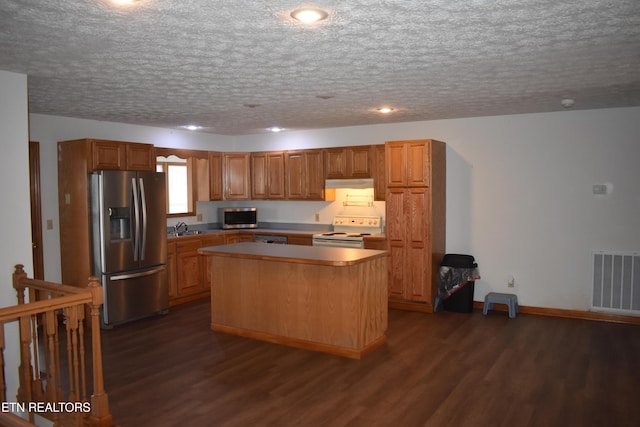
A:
(53, 383)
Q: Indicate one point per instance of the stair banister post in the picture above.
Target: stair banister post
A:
(100, 415)
(18, 282)
(25, 369)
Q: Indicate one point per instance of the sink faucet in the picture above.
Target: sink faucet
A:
(176, 227)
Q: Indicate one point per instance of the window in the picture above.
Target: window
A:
(179, 184)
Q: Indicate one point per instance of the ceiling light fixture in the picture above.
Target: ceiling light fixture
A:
(192, 127)
(567, 102)
(385, 110)
(275, 129)
(309, 15)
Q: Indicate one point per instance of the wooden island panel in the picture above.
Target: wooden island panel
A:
(338, 308)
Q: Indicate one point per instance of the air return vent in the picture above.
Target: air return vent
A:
(616, 282)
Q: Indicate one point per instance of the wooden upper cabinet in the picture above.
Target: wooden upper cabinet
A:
(378, 171)
(107, 155)
(259, 175)
(348, 162)
(408, 163)
(359, 161)
(304, 172)
(203, 181)
(140, 157)
(295, 175)
(335, 162)
(267, 175)
(275, 174)
(100, 154)
(315, 174)
(236, 176)
(215, 175)
(117, 155)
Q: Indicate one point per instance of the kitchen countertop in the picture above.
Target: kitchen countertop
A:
(268, 231)
(295, 254)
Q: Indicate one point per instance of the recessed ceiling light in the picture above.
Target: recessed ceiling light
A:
(192, 127)
(309, 15)
(123, 2)
(385, 110)
(275, 129)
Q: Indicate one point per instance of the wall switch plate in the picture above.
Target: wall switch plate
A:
(317, 217)
(511, 281)
(600, 189)
(49, 224)
(199, 217)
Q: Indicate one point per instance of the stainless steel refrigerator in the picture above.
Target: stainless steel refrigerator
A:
(129, 243)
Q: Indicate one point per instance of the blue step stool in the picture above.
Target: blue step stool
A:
(510, 300)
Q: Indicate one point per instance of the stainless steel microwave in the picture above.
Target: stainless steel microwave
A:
(238, 217)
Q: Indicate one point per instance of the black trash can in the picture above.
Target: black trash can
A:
(458, 274)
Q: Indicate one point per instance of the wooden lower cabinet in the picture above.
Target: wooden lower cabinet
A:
(300, 240)
(189, 274)
(236, 238)
(188, 265)
(172, 270)
(377, 244)
(407, 232)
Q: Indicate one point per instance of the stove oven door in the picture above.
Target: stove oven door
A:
(338, 243)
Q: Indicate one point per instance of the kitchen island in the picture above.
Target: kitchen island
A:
(332, 300)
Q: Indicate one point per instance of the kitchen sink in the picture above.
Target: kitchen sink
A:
(185, 233)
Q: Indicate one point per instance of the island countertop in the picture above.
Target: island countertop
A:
(296, 254)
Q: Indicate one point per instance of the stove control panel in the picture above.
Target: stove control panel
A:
(357, 221)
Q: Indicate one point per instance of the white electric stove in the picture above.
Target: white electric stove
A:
(349, 231)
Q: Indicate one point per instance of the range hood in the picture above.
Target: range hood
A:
(349, 183)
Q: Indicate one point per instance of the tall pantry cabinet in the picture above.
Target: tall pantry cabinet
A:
(76, 160)
(415, 221)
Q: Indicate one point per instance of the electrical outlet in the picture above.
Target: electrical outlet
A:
(199, 217)
(511, 281)
(318, 217)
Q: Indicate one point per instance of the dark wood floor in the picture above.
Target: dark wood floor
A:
(447, 369)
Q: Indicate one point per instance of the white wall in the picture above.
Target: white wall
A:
(519, 188)
(519, 193)
(298, 212)
(15, 212)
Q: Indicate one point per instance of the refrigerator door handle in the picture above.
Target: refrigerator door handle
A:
(136, 216)
(134, 275)
(143, 204)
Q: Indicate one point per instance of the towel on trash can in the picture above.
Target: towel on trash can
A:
(455, 272)
(453, 279)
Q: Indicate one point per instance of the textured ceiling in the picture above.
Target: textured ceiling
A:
(238, 67)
